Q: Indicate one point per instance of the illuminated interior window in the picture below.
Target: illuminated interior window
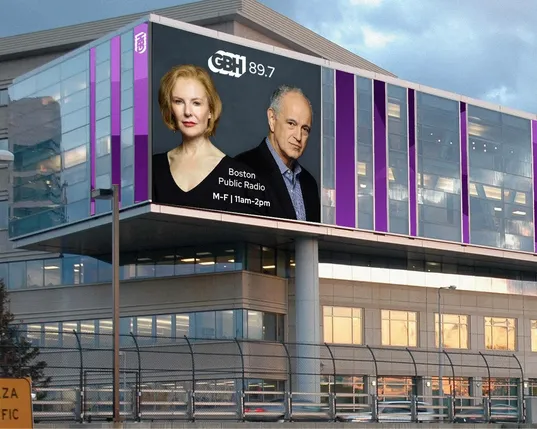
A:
(399, 328)
(500, 333)
(454, 331)
(342, 325)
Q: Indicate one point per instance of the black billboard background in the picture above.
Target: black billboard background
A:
(243, 123)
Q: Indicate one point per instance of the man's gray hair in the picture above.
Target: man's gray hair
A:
(278, 94)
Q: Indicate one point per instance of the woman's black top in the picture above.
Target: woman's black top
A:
(231, 186)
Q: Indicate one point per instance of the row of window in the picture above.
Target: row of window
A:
(160, 329)
(4, 97)
(345, 325)
(497, 156)
(75, 270)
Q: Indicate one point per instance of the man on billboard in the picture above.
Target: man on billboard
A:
(294, 190)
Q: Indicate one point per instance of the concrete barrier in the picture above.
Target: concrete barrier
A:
(239, 425)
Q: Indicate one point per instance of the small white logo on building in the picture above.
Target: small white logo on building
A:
(140, 42)
(227, 63)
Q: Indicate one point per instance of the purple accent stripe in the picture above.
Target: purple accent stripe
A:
(412, 182)
(141, 113)
(115, 110)
(534, 144)
(380, 157)
(464, 169)
(92, 120)
(345, 151)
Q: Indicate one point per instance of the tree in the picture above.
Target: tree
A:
(18, 358)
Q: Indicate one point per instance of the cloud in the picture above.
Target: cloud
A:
(483, 50)
(373, 39)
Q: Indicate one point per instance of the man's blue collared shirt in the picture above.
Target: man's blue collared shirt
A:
(291, 178)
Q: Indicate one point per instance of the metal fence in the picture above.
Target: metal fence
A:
(194, 378)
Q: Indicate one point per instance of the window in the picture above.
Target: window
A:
(4, 214)
(534, 335)
(500, 333)
(4, 97)
(342, 325)
(454, 331)
(4, 145)
(399, 328)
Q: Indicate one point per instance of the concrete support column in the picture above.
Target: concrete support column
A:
(476, 390)
(425, 388)
(308, 322)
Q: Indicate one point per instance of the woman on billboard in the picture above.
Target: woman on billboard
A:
(195, 172)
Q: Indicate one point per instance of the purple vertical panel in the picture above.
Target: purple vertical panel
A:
(534, 147)
(380, 157)
(464, 177)
(141, 113)
(115, 110)
(345, 150)
(92, 122)
(412, 172)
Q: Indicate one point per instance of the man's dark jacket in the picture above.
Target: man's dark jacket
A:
(260, 159)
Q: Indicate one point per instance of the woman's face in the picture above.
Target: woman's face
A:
(190, 107)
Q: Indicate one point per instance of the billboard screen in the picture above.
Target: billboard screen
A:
(234, 128)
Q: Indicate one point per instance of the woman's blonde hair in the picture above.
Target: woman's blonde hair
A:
(202, 76)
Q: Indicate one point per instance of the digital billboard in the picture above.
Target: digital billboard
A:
(234, 128)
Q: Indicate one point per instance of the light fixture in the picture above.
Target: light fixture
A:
(51, 267)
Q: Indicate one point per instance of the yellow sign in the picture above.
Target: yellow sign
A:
(16, 403)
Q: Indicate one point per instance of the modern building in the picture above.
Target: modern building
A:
(427, 211)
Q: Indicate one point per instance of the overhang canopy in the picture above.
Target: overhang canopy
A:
(154, 227)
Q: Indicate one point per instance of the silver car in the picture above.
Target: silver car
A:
(394, 411)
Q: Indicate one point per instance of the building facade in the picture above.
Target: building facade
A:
(434, 190)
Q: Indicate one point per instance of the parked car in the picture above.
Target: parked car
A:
(274, 411)
(394, 411)
(499, 413)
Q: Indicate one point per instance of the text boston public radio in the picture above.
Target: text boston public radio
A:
(237, 179)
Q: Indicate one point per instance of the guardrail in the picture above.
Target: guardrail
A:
(175, 404)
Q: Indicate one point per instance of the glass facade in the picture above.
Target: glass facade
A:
(364, 152)
(500, 180)
(161, 329)
(470, 178)
(127, 115)
(49, 137)
(70, 270)
(328, 197)
(61, 135)
(439, 168)
(4, 97)
(433, 273)
(398, 160)
(103, 146)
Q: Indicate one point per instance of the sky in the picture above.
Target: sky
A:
(486, 49)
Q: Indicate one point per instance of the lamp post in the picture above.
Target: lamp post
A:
(440, 345)
(113, 194)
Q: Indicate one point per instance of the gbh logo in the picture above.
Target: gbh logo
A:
(140, 42)
(226, 63)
